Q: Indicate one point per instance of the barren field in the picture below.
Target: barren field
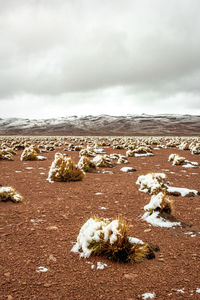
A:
(41, 230)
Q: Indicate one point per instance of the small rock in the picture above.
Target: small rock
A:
(161, 259)
(130, 276)
(7, 274)
(10, 297)
(51, 258)
(52, 228)
(47, 284)
(147, 230)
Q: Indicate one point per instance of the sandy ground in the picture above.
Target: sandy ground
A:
(41, 231)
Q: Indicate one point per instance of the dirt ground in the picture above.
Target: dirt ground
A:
(41, 230)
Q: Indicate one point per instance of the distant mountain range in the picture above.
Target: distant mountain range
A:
(130, 125)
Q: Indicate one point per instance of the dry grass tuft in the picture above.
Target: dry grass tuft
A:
(9, 194)
(64, 169)
(86, 164)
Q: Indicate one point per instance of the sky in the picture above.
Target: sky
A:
(80, 57)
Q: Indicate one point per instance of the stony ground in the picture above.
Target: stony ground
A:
(41, 231)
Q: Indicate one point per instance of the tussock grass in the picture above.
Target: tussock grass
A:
(9, 194)
(64, 169)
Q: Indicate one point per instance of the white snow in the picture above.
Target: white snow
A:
(155, 220)
(148, 296)
(183, 191)
(142, 154)
(40, 157)
(42, 269)
(91, 231)
(180, 291)
(5, 189)
(198, 290)
(155, 202)
(133, 240)
(18, 171)
(106, 172)
(99, 150)
(29, 168)
(127, 169)
(102, 207)
(101, 266)
(98, 194)
(150, 182)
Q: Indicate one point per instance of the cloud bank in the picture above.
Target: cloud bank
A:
(88, 57)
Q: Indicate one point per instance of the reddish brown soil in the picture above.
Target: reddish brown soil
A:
(60, 209)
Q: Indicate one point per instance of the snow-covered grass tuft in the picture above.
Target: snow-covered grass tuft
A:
(86, 164)
(9, 194)
(31, 153)
(110, 239)
(102, 161)
(159, 202)
(152, 183)
(64, 169)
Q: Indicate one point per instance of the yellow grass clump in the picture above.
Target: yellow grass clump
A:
(86, 164)
(5, 155)
(29, 153)
(160, 202)
(64, 169)
(8, 193)
(103, 161)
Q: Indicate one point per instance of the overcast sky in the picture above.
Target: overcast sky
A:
(77, 57)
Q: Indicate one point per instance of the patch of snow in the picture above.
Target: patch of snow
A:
(133, 240)
(198, 290)
(155, 201)
(180, 291)
(188, 166)
(143, 154)
(36, 221)
(106, 172)
(101, 266)
(98, 194)
(40, 157)
(102, 207)
(42, 173)
(127, 169)
(99, 150)
(183, 191)
(6, 189)
(18, 171)
(29, 168)
(42, 269)
(154, 220)
(148, 296)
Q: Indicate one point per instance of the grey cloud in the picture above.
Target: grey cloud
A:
(51, 48)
